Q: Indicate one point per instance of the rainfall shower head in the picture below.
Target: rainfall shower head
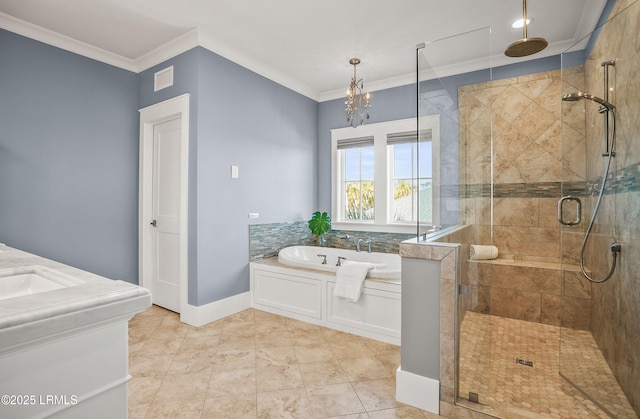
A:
(576, 96)
(525, 46)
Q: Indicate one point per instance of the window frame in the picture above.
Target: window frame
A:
(382, 221)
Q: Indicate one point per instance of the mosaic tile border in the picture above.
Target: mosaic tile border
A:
(621, 181)
(515, 190)
(266, 240)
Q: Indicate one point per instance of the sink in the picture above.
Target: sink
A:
(28, 280)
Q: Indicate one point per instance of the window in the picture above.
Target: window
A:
(383, 178)
(358, 181)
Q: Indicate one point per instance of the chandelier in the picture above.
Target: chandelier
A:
(358, 102)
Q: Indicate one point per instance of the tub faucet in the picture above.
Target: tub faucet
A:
(367, 242)
(340, 259)
(348, 237)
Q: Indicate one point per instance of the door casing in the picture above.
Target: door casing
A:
(150, 116)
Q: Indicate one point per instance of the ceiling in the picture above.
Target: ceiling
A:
(302, 44)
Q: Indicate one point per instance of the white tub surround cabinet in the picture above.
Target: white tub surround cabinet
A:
(64, 353)
(307, 295)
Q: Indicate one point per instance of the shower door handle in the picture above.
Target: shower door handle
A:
(561, 208)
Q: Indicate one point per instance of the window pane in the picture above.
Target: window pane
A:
(426, 161)
(359, 201)
(351, 164)
(404, 200)
(402, 161)
(426, 200)
(367, 163)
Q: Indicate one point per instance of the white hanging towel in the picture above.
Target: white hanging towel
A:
(350, 280)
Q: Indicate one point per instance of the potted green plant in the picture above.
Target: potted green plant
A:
(320, 224)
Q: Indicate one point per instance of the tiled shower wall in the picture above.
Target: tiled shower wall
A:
(518, 212)
(615, 321)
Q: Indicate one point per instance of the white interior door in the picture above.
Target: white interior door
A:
(165, 209)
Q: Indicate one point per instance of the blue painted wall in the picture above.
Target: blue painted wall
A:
(68, 158)
(243, 119)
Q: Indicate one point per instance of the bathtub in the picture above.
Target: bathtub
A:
(299, 286)
(385, 265)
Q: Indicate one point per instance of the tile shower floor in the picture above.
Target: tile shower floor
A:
(489, 347)
(258, 365)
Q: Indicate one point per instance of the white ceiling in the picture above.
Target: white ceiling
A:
(302, 44)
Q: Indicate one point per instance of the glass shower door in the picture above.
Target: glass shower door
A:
(599, 334)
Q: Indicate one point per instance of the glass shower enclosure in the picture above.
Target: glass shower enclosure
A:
(534, 336)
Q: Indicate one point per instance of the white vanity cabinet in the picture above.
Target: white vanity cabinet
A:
(64, 352)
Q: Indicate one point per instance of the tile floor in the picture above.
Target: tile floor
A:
(258, 365)
(489, 346)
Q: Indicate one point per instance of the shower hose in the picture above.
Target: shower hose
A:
(615, 247)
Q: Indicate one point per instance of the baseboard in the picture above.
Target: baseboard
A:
(418, 391)
(201, 315)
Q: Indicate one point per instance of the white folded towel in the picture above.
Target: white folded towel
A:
(350, 279)
(478, 252)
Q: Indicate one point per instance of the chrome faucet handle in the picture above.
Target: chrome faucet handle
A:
(340, 259)
(324, 261)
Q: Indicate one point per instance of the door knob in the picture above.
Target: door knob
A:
(153, 223)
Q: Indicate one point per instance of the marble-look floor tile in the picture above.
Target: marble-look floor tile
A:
(152, 365)
(360, 369)
(291, 403)
(184, 386)
(190, 362)
(334, 399)
(241, 406)
(318, 352)
(230, 360)
(406, 412)
(377, 394)
(183, 409)
(232, 382)
(305, 371)
(278, 377)
(273, 339)
(325, 372)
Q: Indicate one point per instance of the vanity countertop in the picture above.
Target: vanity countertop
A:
(29, 318)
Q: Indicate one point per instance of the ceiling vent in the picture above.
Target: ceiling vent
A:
(163, 79)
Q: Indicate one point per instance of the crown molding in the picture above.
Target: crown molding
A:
(176, 46)
(195, 37)
(248, 62)
(64, 42)
(183, 43)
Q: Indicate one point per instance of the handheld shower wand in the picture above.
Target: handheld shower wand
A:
(606, 108)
